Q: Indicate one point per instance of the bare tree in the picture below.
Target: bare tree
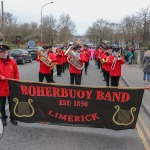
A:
(10, 26)
(100, 30)
(66, 28)
(144, 15)
(49, 26)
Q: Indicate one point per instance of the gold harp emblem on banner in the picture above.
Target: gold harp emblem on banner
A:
(23, 108)
(124, 117)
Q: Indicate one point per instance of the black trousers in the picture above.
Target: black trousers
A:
(52, 71)
(104, 74)
(75, 78)
(67, 65)
(115, 80)
(98, 64)
(47, 76)
(63, 67)
(86, 66)
(3, 103)
(59, 69)
(107, 77)
(81, 75)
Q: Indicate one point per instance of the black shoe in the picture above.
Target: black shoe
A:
(14, 122)
(4, 122)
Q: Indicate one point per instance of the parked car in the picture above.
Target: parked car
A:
(34, 51)
(20, 55)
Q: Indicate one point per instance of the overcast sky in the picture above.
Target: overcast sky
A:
(82, 12)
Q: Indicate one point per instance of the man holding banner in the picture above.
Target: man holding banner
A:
(8, 70)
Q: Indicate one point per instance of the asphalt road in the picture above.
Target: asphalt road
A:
(37, 136)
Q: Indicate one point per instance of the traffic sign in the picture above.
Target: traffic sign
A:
(31, 44)
(41, 43)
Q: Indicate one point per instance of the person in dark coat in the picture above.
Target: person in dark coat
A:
(146, 68)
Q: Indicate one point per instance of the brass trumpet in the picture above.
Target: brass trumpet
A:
(104, 61)
(52, 65)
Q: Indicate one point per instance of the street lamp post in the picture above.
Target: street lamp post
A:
(42, 19)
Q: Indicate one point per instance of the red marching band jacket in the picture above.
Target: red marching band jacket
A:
(44, 69)
(108, 64)
(59, 57)
(82, 59)
(96, 54)
(103, 58)
(8, 69)
(115, 69)
(87, 53)
(64, 58)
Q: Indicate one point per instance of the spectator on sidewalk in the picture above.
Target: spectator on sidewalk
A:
(130, 56)
(146, 67)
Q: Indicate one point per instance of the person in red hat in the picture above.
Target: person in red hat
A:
(8, 70)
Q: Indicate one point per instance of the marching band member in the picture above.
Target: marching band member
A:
(8, 69)
(64, 60)
(75, 73)
(87, 53)
(59, 61)
(116, 61)
(96, 57)
(44, 70)
(103, 64)
(51, 55)
(107, 66)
